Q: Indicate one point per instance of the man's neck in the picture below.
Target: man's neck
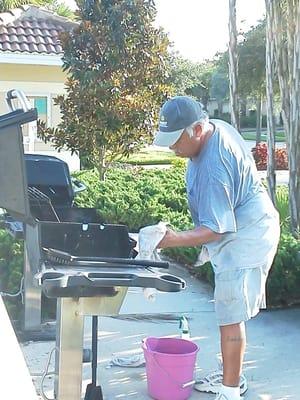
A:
(207, 135)
(205, 138)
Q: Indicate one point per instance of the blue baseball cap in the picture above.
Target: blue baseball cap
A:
(175, 115)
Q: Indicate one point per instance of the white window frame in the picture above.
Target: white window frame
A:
(48, 97)
(49, 109)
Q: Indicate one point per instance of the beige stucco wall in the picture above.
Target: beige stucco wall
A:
(37, 80)
(3, 107)
(36, 73)
(33, 80)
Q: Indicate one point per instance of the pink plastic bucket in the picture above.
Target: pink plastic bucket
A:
(170, 365)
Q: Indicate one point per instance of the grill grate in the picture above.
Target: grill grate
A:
(40, 200)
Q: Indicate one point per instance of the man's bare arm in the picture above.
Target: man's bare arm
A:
(191, 238)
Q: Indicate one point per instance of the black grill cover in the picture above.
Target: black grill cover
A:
(51, 176)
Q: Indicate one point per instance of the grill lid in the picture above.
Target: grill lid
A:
(13, 179)
(51, 176)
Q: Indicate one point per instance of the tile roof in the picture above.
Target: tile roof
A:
(31, 29)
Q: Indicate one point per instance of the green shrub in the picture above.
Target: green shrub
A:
(156, 195)
(137, 197)
(185, 255)
(284, 279)
(248, 121)
(225, 117)
(282, 205)
(11, 270)
(205, 272)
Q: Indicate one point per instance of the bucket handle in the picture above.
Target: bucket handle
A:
(182, 385)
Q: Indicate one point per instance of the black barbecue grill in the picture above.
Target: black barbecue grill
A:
(51, 194)
(72, 254)
(37, 190)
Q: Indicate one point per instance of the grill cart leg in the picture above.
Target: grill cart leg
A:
(69, 339)
(32, 299)
(68, 355)
(94, 392)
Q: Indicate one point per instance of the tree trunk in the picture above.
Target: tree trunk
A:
(243, 107)
(100, 163)
(220, 108)
(287, 41)
(205, 100)
(271, 130)
(294, 137)
(258, 119)
(233, 65)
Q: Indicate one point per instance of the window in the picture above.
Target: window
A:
(41, 104)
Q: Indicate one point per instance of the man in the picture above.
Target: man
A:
(234, 220)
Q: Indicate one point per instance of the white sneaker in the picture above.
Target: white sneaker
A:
(213, 381)
(221, 396)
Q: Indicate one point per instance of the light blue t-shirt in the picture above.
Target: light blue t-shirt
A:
(225, 194)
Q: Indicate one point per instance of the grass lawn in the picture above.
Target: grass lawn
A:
(154, 156)
(250, 135)
(150, 156)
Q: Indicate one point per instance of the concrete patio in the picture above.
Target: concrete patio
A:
(272, 362)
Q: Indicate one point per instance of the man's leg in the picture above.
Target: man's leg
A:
(233, 344)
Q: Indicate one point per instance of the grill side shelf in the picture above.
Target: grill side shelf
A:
(62, 284)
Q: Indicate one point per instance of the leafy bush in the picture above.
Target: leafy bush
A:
(161, 193)
(224, 116)
(284, 279)
(282, 205)
(11, 270)
(260, 154)
(139, 197)
(246, 121)
(249, 121)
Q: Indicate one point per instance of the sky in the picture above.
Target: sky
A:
(199, 28)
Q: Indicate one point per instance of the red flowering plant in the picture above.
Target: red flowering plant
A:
(260, 154)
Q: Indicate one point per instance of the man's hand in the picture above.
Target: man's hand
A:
(169, 240)
(194, 237)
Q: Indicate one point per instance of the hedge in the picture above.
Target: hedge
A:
(137, 197)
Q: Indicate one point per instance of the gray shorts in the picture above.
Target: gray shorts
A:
(240, 294)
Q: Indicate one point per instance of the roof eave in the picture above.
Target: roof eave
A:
(27, 11)
(7, 57)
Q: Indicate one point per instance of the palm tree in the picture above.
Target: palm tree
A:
(286, 28)
(270, 72)
(52, 5)
(233, 65)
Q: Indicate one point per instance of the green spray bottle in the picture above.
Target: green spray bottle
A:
(184, 326)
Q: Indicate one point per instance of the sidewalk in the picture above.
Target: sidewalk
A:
(282, 176)
(272, 361)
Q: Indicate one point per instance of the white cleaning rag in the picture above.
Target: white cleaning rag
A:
(129, 360)
(203, 257)
(149, 238)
